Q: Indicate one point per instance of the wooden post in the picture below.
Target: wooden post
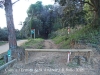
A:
(68, 30)
(26, 56)
(31, 35)
(34, 33)
(9, 55)
(88, 56)
(69, 53)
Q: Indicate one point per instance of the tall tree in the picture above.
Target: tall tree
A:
(7, 4)
(10, 24)
(94, 7)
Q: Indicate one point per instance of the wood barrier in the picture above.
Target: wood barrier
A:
(77, 52)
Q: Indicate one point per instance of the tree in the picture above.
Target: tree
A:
(11, 30)
(45, 20)
(70, 10)
(25, 31)
(35, 9)
(94, 6)
(10, 24)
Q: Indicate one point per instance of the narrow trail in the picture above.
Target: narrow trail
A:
(49, 44)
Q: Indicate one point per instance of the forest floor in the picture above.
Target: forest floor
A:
(52, 63)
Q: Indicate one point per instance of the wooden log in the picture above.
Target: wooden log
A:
(26, 56)
(59, 50)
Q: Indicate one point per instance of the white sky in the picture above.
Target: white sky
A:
(19, 12)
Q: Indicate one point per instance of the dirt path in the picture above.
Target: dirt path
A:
(47, 63)
(49, 44)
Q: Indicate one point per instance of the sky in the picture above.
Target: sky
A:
(19, 12)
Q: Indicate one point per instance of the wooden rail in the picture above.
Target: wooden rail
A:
(77, 51)
(58, 50)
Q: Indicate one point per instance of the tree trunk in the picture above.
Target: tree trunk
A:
(10, 25)
(96, 8)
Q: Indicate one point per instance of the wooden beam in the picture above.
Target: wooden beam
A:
(59, 50)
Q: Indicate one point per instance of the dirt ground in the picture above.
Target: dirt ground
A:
(52, 63)
(48, 44)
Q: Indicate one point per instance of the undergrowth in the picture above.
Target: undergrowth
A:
(2, 42)
(1, 61)
(87, 34)
(34, 43)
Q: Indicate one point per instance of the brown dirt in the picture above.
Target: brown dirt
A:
(50, 63)
(48, 44)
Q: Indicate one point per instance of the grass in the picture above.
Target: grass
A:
(34, 43)
(87, 34)
(2, 42)
(71, 65)
(52, 61)
(1, 61)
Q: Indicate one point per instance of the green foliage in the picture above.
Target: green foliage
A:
(73, 16)
(2, 42)
(4, 34)
(47, 19)
(41, 18)
(18, 34)
(36, 24)
(52, 61)
(35, 9)
(71, 65)
(1, 62)
(59, 35)
(87, 34)
(57, 24)
(25, 31)
(34, 43)
(89, 14)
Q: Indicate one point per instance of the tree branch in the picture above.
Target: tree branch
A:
(15, 2)
(87, 3)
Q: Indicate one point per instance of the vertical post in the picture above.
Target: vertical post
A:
(68, 30)
(9, 59)
(9, 55)
(34, 33)
(68, 58)
(88, 56)
(38, 32)
(69, 53)
(26, 56)
(31, 34)
(5, 58)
